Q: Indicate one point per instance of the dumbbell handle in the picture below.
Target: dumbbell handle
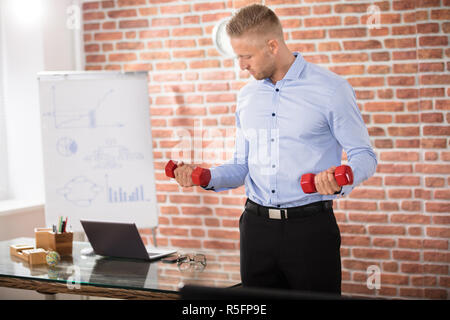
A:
(200, 176)
(343, 175)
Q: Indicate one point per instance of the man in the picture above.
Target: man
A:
(296, 118)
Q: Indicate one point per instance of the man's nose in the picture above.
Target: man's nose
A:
(243, 65)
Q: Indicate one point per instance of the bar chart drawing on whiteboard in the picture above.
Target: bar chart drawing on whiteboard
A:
(120, 194)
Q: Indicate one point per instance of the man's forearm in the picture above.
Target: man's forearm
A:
(363, 163)
(227, 176)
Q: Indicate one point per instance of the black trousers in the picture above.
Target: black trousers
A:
(300, 253)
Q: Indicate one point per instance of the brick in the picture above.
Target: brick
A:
(125, 13)
(406, 255)
(404, 30)
(428, 143)
(435, 244)
(180, 32)
(210, 244)
(390, 106)
(399, 194)
(402, 181)
(367, 217)
(404, 131)
(169, 231)
(399, 156)
(394, 279)
(122, 57)
(392, 230)
(439, 232)
(140, 23)
(96, 15)
(95, 58)
(383, 242)
(435, 293)
(433, 168)
(349, 57)
(185, 243)
(366, 81)
(358, 205)
(371, 253)
(436, 256)
(389, 206)
(108, 36)
(322, 21)
(434, 182)
(426, 41)
(435, 269)
(400, 43)
(410, 218)
(423, 281)
(125, 3)
(230, 235)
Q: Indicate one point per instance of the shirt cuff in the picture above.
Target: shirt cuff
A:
(210, 185)
(345, 190)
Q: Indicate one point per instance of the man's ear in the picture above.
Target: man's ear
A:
(273, 45)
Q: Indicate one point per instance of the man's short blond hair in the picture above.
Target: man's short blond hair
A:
(255, 19)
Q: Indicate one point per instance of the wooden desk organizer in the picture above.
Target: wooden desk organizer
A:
(59, 242)
(28, 253)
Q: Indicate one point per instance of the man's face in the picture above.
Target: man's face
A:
(254, 55)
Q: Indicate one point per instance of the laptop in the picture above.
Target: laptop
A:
(121, 240)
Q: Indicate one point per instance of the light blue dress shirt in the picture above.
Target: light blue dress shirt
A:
(299, 125)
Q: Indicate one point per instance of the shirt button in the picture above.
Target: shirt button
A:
(277, 89)
(273, 114)
(273, 166)
(272, 140)
(273, 191)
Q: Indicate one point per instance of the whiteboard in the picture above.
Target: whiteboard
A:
(97, 148)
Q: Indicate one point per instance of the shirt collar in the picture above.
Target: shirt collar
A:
(295, 69)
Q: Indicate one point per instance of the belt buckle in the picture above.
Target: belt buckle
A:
(276, 214)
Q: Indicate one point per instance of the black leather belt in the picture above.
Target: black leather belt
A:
(287, 213)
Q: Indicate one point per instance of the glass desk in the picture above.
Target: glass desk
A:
(114, 277)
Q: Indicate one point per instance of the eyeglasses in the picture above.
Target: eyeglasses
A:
(196, 262)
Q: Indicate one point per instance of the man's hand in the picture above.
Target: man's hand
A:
(326, 183)
(183, 174)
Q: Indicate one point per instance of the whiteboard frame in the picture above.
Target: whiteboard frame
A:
(94, 75)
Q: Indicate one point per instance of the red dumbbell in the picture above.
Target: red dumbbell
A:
(200, 176)
(343, 175)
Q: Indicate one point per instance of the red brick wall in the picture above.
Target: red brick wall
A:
(399, 219)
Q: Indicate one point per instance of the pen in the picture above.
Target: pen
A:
(60, 224)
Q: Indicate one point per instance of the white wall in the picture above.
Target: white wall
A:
(23, 57)
(28, 46)
(30, 43)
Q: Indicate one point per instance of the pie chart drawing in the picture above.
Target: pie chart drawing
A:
(66, 147)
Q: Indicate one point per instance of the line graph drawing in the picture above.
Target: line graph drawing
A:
(111, 155)
(80, 191)
(72, 115)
